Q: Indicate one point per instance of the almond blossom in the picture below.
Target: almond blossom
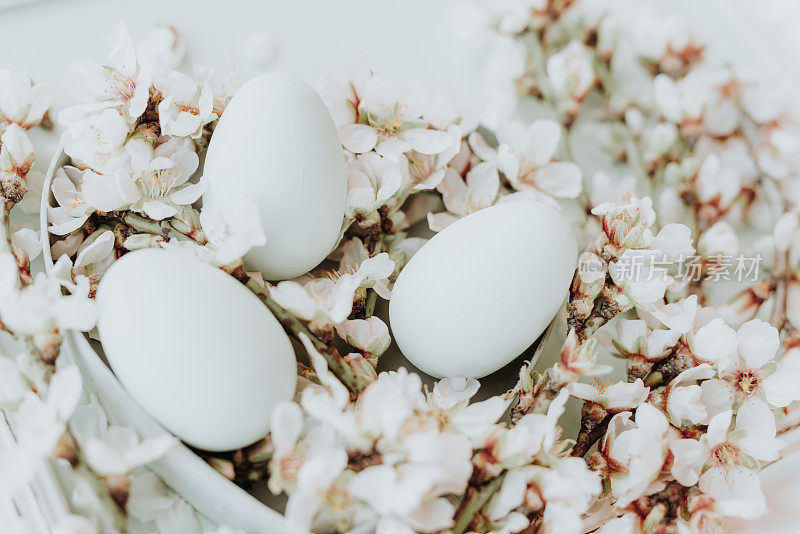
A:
(110, 449)
(331, 299)
(186, 107)
(42, 308)
(372, 180)
(747, 369)
(92, 133)
(163, 181)
(21, 101)
(16, 159)
(571, 71)
(728, 459)
(391, 121)
(462, 196)
(614, 398)
(123, 81)
(525, 157)
(638, 448)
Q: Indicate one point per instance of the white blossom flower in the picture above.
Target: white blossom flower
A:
(123, 81)
(16, 158)
(636, 273)
(639, 447)
(532, 434)
(232, 228)
(21, 101)
(625, 225)
(169, 47)
(95, 255)
(41, 307)
(635, 338)
(371, 181)
(398, 497)
(450, 398)
(72, 210)
(567, 490)
(319, 490)
(728, 459)
(370, 335)
(224, 87)
(748, 371)
(777, 153)
(684, 396)
(186, 107)
(93, 133)
(463, 196)
(426, 171)
(681, 101)
(393, 123)
(331, 299)
(110, 449)
(615, 397)
(525, 156)
(163, 181)
(40, 421)
(160, 509)
(571, 71)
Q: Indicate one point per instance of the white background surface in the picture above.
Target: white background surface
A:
(412, 39)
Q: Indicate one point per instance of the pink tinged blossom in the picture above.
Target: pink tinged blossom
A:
(370, 335)
(21, 101)
(684, 396)
(641, 449)
(571, 71)
(231, 228)
(476, 192)
(123, 82)
(92, 133)
(186, 107)
(372, 180)
(114, 450)
(331, 299)
(614, 398)
(393, 111)
(163, 181)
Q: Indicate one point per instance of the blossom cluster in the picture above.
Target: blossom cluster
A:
(702, 163)
(679, 442)
(398, 458)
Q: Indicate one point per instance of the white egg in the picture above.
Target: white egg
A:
(277, 146)
(483, 289)
(194, 348)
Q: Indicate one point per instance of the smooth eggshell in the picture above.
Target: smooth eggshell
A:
(194, 347)
(277, 146)
(482, 290)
